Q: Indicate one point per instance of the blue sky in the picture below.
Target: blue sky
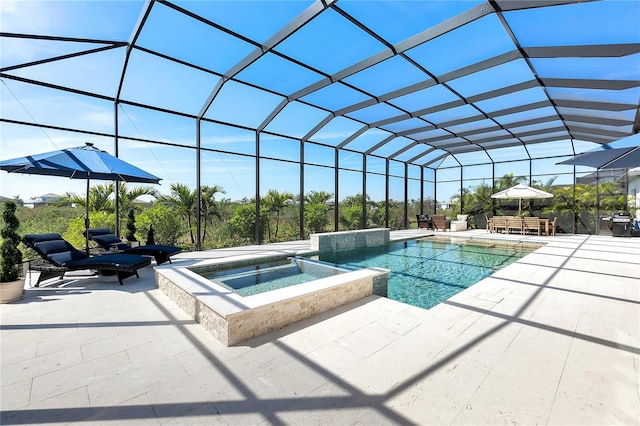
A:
(163, 84)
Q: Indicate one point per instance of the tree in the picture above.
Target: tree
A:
(507, 181)
(168, 227)
(209, 206)
(274, 203)
(318, 197)
(478, 204)
(99, 198)
(316, 210)
(243, 222)
(184, 201)
(350, 209)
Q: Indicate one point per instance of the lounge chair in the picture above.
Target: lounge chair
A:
(107, 240)
(63, 257)
(440, 222)
(423, 221)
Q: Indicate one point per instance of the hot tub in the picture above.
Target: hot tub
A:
(233, 318)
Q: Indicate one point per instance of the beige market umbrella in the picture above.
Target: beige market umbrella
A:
(521, 191)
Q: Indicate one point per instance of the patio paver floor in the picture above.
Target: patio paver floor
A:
(551, 339)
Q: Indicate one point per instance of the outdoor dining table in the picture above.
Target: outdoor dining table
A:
(544, 224)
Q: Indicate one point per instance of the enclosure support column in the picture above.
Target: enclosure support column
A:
(302, 203)
(258, 225)
(363, 220)
(461, 191)
(198, 192)
(336, 186)
(597, 202)
(435, 192)
(421, 190)
(493, 187)
(386, 193)
(117, 195)
(406, 196)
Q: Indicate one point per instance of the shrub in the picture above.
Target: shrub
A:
(168, 227)
(130, 235)
(10, 254)
(150, 236)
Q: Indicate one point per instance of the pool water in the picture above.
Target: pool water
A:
(259, 278)
(427, 272)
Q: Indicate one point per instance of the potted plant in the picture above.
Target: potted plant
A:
(11, 279)
(130, 235)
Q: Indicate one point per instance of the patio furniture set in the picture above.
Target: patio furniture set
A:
(440, 222)
(522, 225)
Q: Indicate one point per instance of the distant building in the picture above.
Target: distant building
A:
(43, 200)
(5, 199)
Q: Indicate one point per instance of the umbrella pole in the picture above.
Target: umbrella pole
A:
(519, 206)
(86, 221)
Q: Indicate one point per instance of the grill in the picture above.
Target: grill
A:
(621, 226)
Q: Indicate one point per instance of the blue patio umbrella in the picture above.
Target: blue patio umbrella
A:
(83, 162)
(609, 158)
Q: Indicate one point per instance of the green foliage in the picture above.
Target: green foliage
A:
(350, 217)
(75, 227)
(47, 219)
(131, 226)
(10, 254)
(243, 222)
(396, 214)
(316, 217)
(102, 198)
(168, 227)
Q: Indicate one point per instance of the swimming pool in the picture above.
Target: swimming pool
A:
(428, 271)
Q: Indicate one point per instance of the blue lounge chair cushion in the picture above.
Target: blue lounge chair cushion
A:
(106, 239)
(109, 240)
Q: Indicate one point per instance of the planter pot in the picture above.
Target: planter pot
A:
(134, 243)
(11, 291)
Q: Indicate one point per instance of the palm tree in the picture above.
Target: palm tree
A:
(126, 195)
(507, 181)
(318, 197)
(316, 210)
(101, 198)
(184, 201)
(209, 206)
(275, 202)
